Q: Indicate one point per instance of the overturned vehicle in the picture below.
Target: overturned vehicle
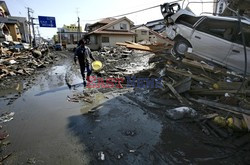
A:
(215, 38)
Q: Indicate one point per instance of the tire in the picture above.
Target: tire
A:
(181, 47)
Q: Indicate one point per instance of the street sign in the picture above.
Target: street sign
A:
(45, 21)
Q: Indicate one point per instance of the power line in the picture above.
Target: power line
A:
(134, 11)
(127, 13)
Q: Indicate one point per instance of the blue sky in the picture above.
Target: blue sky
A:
(65, 11)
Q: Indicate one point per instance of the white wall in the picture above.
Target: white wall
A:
(118, 25)
(113, 39)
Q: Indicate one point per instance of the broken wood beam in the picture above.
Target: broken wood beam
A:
(198, 64)
(177, 95)
(217, 92)
(195, 77)
(228, 85)
(223, 107)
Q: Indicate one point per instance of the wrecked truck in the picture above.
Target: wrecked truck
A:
(214, 38)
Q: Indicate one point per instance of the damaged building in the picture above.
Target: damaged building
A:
(12, 28)
(109, 31)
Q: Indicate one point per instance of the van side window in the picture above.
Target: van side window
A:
(187, 20)
(219, 28)
(246, 31)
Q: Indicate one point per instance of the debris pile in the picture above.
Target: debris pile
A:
(121, 61)
(206, 86)
(214, 91)
(17, 60)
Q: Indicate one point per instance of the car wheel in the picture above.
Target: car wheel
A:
(181, 47)
(172, 52)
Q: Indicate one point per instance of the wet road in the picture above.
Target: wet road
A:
(122, 129)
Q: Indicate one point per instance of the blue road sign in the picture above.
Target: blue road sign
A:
(45, 21)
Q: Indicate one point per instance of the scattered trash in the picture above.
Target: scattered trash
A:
(3, 135)
(180, 113)
(101, 155)
(31, 161)
(7, 117)
(5, 143)
(130, 133)
(120, 155)
(2, 158)
(80, 97)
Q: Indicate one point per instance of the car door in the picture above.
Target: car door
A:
(236, 58)
(209, 39)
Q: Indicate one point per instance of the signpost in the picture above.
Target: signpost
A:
(45, 21)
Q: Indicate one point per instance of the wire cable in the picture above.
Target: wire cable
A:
(133, 12)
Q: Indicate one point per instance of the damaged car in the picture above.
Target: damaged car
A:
(214, 38)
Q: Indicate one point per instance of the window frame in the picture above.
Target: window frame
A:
(215, 32)
(103, 39)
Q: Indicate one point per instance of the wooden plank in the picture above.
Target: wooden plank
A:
(177, 95)
(183, 85)
(195, 77)
(223, 107)
(212, 92)
(132, 46)
(228, 85)
(198, 64)
(139, 47)
(121, 44)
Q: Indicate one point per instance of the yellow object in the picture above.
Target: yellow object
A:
(221, 121)
(216, 86)
(230, 122)
(97, 65)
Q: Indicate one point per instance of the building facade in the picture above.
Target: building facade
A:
(12, 28)
(110, 31)
(69, 34)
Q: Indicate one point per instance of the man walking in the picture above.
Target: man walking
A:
(83, 53)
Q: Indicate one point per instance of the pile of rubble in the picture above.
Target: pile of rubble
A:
(221, 95)
(16, 59)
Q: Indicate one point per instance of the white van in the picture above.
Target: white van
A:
(212, 37)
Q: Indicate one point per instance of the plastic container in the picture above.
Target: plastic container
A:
(97, 65)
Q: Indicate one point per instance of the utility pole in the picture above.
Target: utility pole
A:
(33, 31)
(30, 22)
(38, 34)
(60, 37)
(78, 30)
(29, 10)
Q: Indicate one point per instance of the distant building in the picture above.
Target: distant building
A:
(143, 33)
(109, 31)
(23, 28)
(69, 34)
